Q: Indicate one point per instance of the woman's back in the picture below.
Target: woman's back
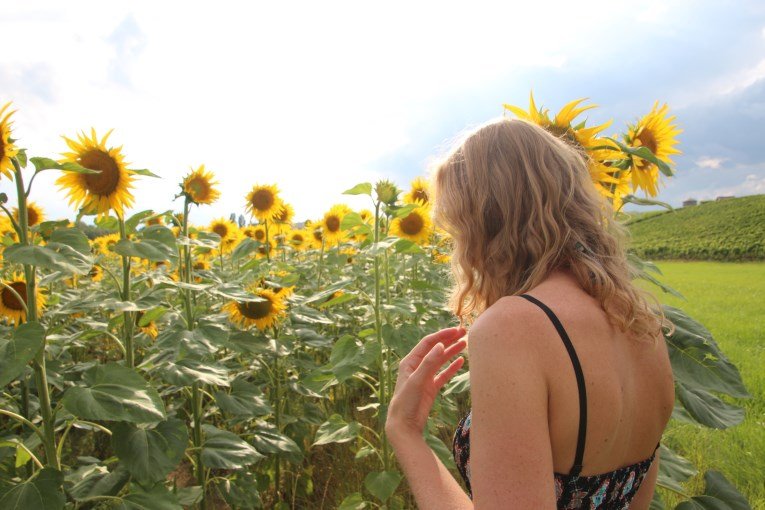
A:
(628, 395)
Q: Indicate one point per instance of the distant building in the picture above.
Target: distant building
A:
(690, 201)
(724, 197)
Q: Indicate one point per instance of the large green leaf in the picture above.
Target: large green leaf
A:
(707, 409)
(240, 490)
(147, 249)
(353, 501)
(364, 188)
(73, 237)
(20, 349)
(697, 361)
(150, 454)
(268, 440)
(117, 393)
(245, 400)
(158, 498)
(347, 358)
(100, 482)
(41, 492)
(336, 430)
(225, 450)
(719, 494)
(382, 484)
(189, 371)
(53, 256)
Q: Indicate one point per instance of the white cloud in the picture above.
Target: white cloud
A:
(753, 184)
(707, 162)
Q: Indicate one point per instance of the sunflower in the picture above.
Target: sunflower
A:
(155, 220)
(149, 329)
(299, 239)
(198, 186)
(317, 236)
(35, 214)
(7, 149)
(420, 192)
(10, 306)
(265, 249)
(415, 226)
(263, 313)
(97, 193)
(331, 224)
(224, 228)
(231, 242)
(256, 232)
(103, 244)
(656, 132)
(263, 202)
(96, 273)
(284, 218)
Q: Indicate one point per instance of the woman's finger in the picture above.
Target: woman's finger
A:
(448, 372)
(446, 336)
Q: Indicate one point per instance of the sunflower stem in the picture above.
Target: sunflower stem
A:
(127, 326)
(277, 402)
(41, 377)
(268, 244)
(378, 332)
(321, 263)
(196, 403)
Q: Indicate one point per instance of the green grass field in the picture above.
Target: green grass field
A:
(729, 299)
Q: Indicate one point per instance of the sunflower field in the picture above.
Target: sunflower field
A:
(163, 364)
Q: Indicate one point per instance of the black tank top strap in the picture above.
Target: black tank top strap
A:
(577, 467)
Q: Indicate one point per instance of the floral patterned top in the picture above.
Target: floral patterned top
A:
(605, 491)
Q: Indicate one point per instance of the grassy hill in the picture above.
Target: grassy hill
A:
(732, 229)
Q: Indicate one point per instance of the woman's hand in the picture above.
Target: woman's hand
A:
(417, 384)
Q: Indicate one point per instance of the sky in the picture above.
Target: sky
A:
(316, 97)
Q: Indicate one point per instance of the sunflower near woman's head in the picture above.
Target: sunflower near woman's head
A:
(97, 193)
(7, 148)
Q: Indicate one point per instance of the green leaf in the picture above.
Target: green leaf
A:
(364, 188)
(240, 490)
(150, 454)
(268, 440)
(41, 492)
(143, 171)
(328, 291)
(131, 224)
(646, 154)
(353, 502)
(707, 409)
(336, 430)
(343, 298)
(158, 498)
(407, 246)
(100, 483)
(147, 249)
(20, 349)
(225, 450)
(54, 256)
(346, 358)
(49, 164)
(719, 494)
(73, 237)
(674, 469)
(189, 371)
(245, 248)
(646, 201)
(697, 361)
(382, 484)
(116, 393)
(245, 400)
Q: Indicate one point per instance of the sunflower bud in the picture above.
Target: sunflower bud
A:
(386, 191)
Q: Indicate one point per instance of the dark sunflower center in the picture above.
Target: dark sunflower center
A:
(10, 300)
(284, 216)
(33, 218)
(317, 235)
(262, 200)
(297, 239)
(105, 182)
(260, 235)
(221, 230)
(198, 188)
(412, 224)
(647, 140)
(264, 248)
(95, 271)
(421, 194)
(333, 223)
(255, 309)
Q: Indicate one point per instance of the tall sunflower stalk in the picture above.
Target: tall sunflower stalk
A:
(196, 188)
(127, 317)
(41, 377)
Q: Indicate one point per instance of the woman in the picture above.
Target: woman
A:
(571, 384)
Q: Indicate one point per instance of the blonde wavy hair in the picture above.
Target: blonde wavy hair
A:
(519, 203)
